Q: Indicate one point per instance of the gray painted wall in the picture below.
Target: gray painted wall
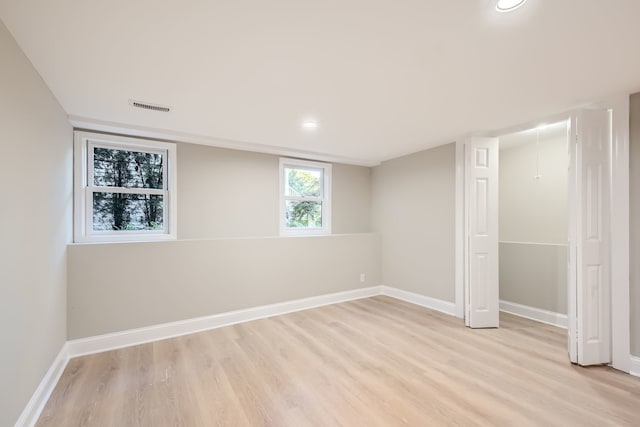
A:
(35, 225)
(534, 275)
(228, 255)
(533, 223)
(414, 212)
(230, 193)
(226, 193)
(533, 210)
(634, 215)
(161, 282)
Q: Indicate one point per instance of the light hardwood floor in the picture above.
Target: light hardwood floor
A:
(371, 362)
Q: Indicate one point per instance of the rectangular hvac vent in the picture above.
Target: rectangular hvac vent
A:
(149, 106)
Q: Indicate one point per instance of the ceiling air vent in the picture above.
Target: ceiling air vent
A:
(149, 106)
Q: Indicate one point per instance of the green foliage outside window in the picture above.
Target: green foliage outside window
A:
(303, 213)
(127, 169)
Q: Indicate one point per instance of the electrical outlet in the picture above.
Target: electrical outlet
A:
(362, 278)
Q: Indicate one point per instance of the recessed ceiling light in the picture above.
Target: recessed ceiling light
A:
(309, 124)
(509, 5)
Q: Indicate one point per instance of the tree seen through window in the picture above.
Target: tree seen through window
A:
(122, 169)
(303, 184)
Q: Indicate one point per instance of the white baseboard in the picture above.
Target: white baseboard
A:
(100, 343)
(421, 300)
(112, 341)
(537, 314)
(635, 366)
(32, 411)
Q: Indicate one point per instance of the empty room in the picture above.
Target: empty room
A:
(249, 213)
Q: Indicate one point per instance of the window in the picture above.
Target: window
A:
(305, 202)
(124, 189)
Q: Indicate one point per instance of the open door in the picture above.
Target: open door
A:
(589, 275)
(481, 231)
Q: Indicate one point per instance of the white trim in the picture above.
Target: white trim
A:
(620, 336)
(324, 198)
(82, 167)
(421, 300)
(100, 343)
(459, 230)
(634, 363)
(509, 242)
(620, 308)
(537, 314)
(32, 411)
(112, 341)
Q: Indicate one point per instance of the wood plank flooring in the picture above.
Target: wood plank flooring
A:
(371, 362)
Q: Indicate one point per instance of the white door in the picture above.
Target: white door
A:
(481, 231)
(590, 294)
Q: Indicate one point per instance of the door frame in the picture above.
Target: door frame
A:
(619, 251)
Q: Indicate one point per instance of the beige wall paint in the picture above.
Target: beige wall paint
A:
(185, 279)
(35, 225)
(226, 193)
(534, 211)
(351, 200)
(534, 275)
(230, 193)
(634, 215)
(228, 255)
(414, 211)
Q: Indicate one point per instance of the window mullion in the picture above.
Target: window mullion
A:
(88, 220)
(90, 161)
(305, 220)
(165, 177)
(126, 190)
(304, 199)
(144, 208)
(141, 148)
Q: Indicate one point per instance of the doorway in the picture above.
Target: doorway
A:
(597, 312)
(533, 223)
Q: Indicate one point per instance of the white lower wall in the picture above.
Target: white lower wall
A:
(116, 287)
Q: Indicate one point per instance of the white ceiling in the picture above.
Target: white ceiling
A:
(382, 77)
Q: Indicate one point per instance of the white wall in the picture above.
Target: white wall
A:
(533, 220)
(35, 226)
(413, 203)
(634, 215)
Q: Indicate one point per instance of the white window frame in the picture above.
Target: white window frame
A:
(84, 142)
(325, 197)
